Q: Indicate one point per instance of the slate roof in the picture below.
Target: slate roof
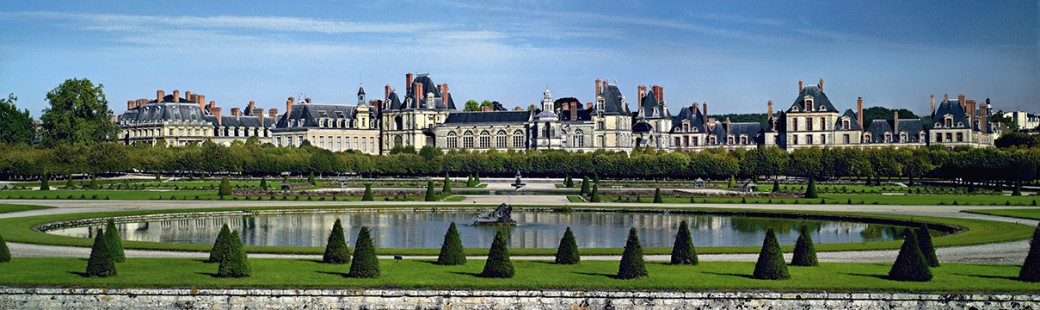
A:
(750, 129)
(651, 108)
(394, 101)
(612, 104)
(695, 117)
(583, 115)
(428, 87)
(878, 128)
(241, 121)
(166, 111)
(310, 113)
(853, 121)
(952, 107)
(642, 127)
(488, 117)
(819, 99)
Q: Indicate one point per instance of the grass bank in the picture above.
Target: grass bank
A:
(1029, 214)
(5, 208)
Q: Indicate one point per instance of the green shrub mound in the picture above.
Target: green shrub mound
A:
(368, 193)
(451, 249)
(365, 264)
(5, 253)
(115, 244)
(336, 251)
(431, 195)
(234, 263)
(100, 263)
(567, 253)
(310, 179)
(632, 265)
(584, 186)
(683, 252)
(804, 250)
(225, 187)
(447, 185)
(568, 182)
(263, 183)
(657, 196)
(1030, 268)
(910, 265)
(469, 181)
(810, 191)
(498, 264)
(216, 254)
(924, 240)
(771, 264)
(595, 194)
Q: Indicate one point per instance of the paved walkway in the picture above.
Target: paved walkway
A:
(996, 253)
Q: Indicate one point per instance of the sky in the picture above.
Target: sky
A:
(735, 55)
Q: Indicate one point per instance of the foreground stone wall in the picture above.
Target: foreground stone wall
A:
(73, 298)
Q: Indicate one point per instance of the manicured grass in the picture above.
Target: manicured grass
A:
(6, 208)
(575, 198)
(533, 275)
(454, 198)
(856, 199)
(103, 194)
(1030, 213)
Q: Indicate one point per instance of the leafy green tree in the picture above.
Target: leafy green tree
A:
(584, 186)
(924, 240)
(810, 190)
(336, 251)
(567, 252)
(910, 265)
(732, 182)
(368, 193)
(683, 251)
(430, 152)
(235, 263)
(225, 188)
(451, 249)
(771, 264)
(632, 265)
(78, 113)
(221, 245)
(804, 249)
(472, 105)
(595, 193)
(100, 263)
(447, 185)
(431, 194)
(5, 253)
(18, 125)
(498, 264)
(365, 265)
(45, 182)
(115, 243)
(657, 196)
(1030, 268)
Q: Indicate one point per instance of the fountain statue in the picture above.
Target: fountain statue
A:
(502, 216)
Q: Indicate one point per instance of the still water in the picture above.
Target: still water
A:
(535, 229)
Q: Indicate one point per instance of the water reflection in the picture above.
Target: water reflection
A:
(536, 229)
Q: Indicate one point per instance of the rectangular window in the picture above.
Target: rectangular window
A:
(794, 125)
(949, 137)
(677, 142)
(372, 144)
(823, 139)
(356, 143)
(960, 137)
(364, 144)
(794, 139)
(845, 139)
(808, 139)
(809, 126)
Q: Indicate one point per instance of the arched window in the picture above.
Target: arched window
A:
(467, 140)
(579, 138)
(485, 139)
(453, 141)
(518, 139)
(500, 140)
(398, 141)
(398, 123)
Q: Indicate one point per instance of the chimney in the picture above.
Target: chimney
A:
(251, 107)
(598, 89)
(130, 105)
(705, 109)
(187, 96)
(260, 114)
(159, 95)
(769, 110)
(971, 110)
(273, 113)
(658, 93)
(574, 110)
(517, 109)
(288, 105)
(960, 100)
(485, 109)
(588, 105)
(859, 112)
(408, 79)
(696, 107)
(895, 125)
(176, 96)
(235, 112)
(946, 97)
(36, 127)
(386, 92)
(799, 86)
(417, 89)
(201, 99)
(821, 84)
(727, 125)
(640, 94)
(307, 100)
(216, 112)
(211, 105)
(933, 105)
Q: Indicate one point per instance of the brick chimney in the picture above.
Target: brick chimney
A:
(960, 100)
(201, 99)
(211, 105)
(859, 112)
(640, 94)
(176, 96)
(250, 107)
(946, 97)
(417, 90)
(696, 107)
(130, 105)
(216, 113)
(159, 94)
(821, 84)
(485, 109)
(236, 112)
(288, 105)
(895, 125)
(307, 100)
(588, 105)
(705, 109)
(727, 127)
(386, 92)
(446, 95)
(769, 109)
(659, 93)
(598, 89)
(408, 80)
(273, 113)
(187, 96)
(933, 104)
(800, 86)
(574, 110)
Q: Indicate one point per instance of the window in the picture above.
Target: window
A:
(579, 138)
(364, 147)
(321, 141)
(794, 139)
(501, 142)
(743, 140)
(902, 137)
(845, 139)
(949, 137)
(938, 137)
(794, 124)
(356, 146)
(823, 139)
(809, 124)
(518, 139)
(453, 141)
(888, 138)
(485, 140)
(339, 143)
(372, 144)
(467, 140)
(960, 137)
(600, 125)
(729, 140)
(696, 141)
(808, 139)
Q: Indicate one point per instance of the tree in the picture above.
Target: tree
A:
(924, 240)
(78, 113)
(310, 179)
(451, 249)
(498, 264)
(1030, 268)
(910, 264)
(584, 186)
(683, 251)
(365, 265)
(45, 182)
(235, 263)
(18, 125)
(336, 251)
(100, 263)
(469, 181)
(771, 264)
(567, 253)
(657, 196)
(216, 254)
(447, 185)
(776, 186)
(5, 253)
(804, 249)
(472, 105)
(632, 265)
(368, 193)
(263, 183)
(568, 182)
(115, 243)
(732, 182)
(595, 194)
(810, 190)
(476, 179)
(225, 188)
(431, 195)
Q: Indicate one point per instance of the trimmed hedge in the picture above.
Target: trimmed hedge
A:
(5, 253)
(567, 252)
(910, 265)
(235, 263)
(100, 263)
(924, 240)
(451, 249)
(632, 265)
(216, 254)
(336, 251)
(683, 251)
(771, 264)
(115, 244)
(431, 195)
(225, 188)
(1031, 267)
(365, 265)
(368, 193)
(810, 191)
(804, 250)
(498, 264)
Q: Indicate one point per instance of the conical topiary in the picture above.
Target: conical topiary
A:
(5, 253)
(476, 179)
(776, 186)
(595, 178)
(771, 265)
(683, 252)
(910, 265)
(263, 183)
(431, 195)
(115, 244)
(310, 179)
(498, 264)
(68, 182)
(924, 240)
(368, 193)
(568, 182)
(225, 187)
(810, 191)
(100, 263)
(732, 182)
(804, 250)
(657, 196)
(567, 253)
(447, 185)
(595, 193)
(632, 265)
(1031, 267)
(235, 263)
(451, 249)
(220, 245)
(45, 181)
(365, 264)
(336, 251)
(469, 181)
(584, 186)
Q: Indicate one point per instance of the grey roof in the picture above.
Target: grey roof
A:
(952, 107)
(428, 87)
(878, 128)
(853, 124)
(694, 116)
(750, 129)
(819, 99)
(612, 104)
(361, 90)
(310, 113)
(241, 121)
(394, 101)
(651, 108)
(163, 112)
(642, 127)
(583, 115)
(488, 117)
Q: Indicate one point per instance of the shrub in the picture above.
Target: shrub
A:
(5, 253)
(100, 263)
(584, 186)
(595, 178)
(776, 186)
(45, 182)
(498, 264)
(804, 250)
(924, 240)
(1030, 268)
(771, 264)
(568, 182)
(447, 185)
(263, 183)
(476, 179)
(732, 182)
(431, 195)
(632, 265)
(336, 251)
(469, 181)
(683, 251)
(220, 246)
(810, 191)
(115, 244)
(657, 196)
(595, 194)
(451, 249)
(235, 263)
(68, 182)
(365, 265)
(368, 193)
(310, 179)
(567, 253)
(225, 187)
(910, 265)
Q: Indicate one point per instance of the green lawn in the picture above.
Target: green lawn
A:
(6, 208)
(534, 275)
(106, 194)
(1030, 213)
(869, 199)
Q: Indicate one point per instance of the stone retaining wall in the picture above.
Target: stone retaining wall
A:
(75, 298)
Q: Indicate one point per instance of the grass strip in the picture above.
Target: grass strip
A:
(1024, 213)
(6, 208)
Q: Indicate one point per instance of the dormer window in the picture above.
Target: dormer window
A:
(845, 123)
(809, 103)
(823, 108)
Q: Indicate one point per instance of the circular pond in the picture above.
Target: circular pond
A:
(536, 229)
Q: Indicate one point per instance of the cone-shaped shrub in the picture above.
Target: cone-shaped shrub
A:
(924, 240)
(225, 187)
(263, 183)
(804, 250)
(683, 252)
(632, 265)
(595, 193)
(451, 249)
(567, 253)
(93, 181)
(1030, 269)
(235, 264)
(365, 264)
(776, 186)
(568, 182)
(115, 244)
(810, 191)
(910, 265)
(732, 182)
(310, 179)
(100, 263)
(431, 195)
(5, 253)
(447, 185)
(368, 193)
(584, 185)
(336, 252)
(476, 179)
(771, 264)
(469, 181)
(657, 196)
(45, 182)
(220, 246)
(595, 178)
(68, 182)
(498, 264)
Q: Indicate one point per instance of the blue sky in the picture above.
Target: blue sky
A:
(734, 56)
